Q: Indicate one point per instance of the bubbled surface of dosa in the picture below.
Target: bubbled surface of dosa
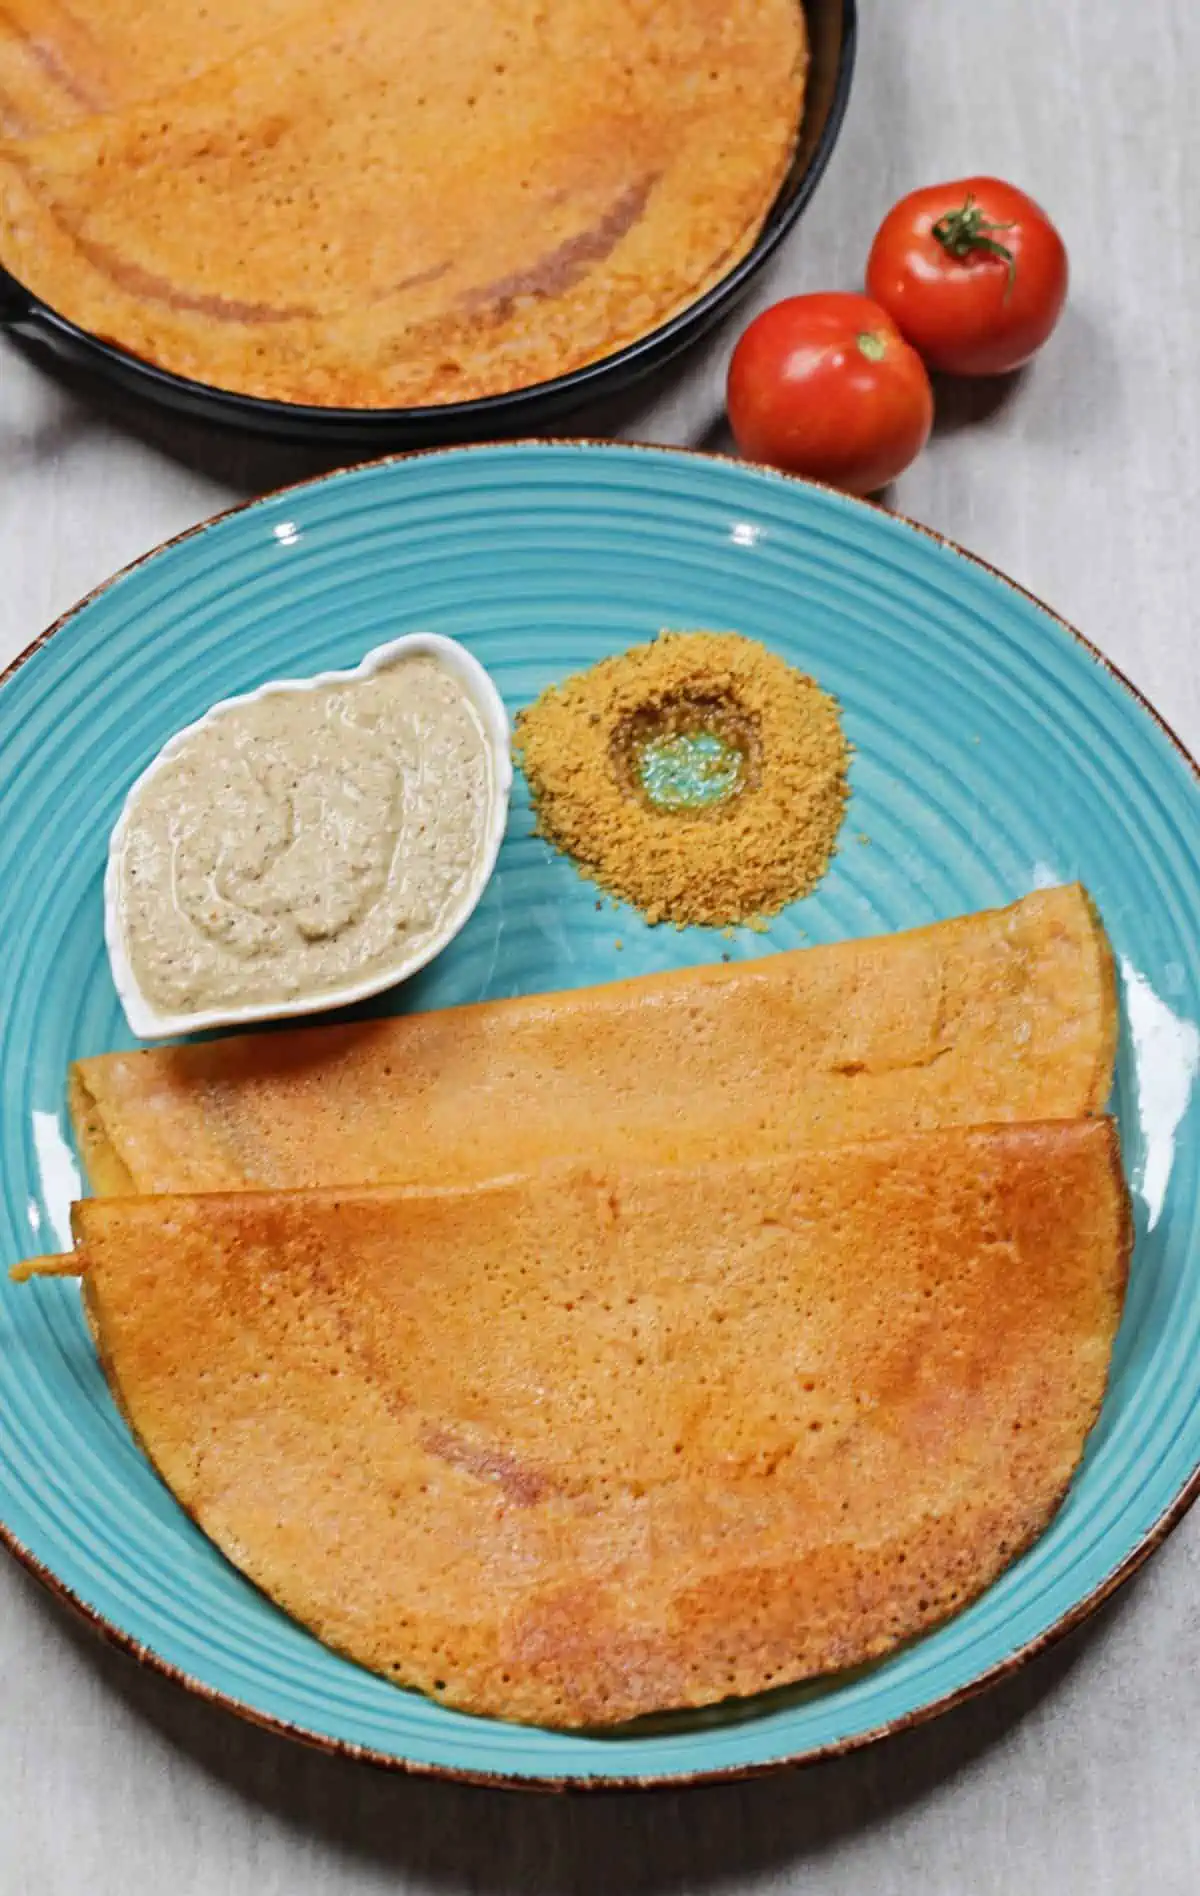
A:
(62, 61)
(575, 1449)
(1010, 1014)
(387, 203)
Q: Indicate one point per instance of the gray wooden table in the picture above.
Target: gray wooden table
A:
(1080, 1776)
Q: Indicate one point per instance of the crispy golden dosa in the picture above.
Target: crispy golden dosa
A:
(1008, 1015)
(573, 1449)
(390, 203)
(66, 60)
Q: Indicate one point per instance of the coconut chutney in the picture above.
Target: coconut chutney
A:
(306, 839)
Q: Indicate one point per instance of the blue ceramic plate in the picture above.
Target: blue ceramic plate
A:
(995, 752)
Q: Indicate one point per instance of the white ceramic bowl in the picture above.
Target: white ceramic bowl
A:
(147, 1021)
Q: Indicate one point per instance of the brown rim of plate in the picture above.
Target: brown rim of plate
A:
(1075, 1616)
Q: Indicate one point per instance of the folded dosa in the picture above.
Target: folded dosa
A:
(572, 1449)
(1006, 1015)
(384, 202)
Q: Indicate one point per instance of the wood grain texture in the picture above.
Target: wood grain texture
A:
(1079, 1778)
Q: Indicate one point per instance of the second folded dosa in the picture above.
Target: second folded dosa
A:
(1007, 1015)
(571, 1449)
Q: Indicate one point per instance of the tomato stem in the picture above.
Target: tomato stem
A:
(963, 231)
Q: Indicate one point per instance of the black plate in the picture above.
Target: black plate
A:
(832, 27)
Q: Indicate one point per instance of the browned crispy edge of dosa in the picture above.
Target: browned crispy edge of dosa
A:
(1106, 1056)
(106, 1171)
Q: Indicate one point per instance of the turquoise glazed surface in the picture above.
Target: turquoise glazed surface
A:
(994, 753)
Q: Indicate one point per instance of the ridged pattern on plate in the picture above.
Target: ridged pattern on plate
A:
(993, 752)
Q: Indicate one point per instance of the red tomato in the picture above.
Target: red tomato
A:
(973, 274)
(827, 386)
